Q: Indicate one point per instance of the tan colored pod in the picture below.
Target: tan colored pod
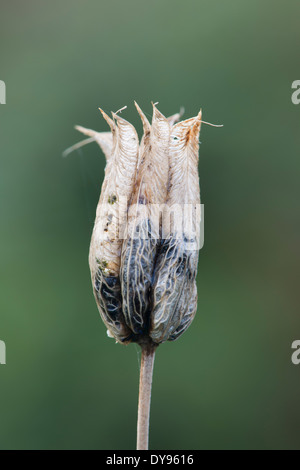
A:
(142, 236)
(106, 242)
(173, 289)
(143, 255)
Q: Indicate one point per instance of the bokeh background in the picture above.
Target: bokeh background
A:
(229, 382)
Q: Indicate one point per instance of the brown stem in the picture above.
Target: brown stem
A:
(146, 373)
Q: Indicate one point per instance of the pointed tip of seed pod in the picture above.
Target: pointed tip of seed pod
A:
(109, 121)
(120, 110)
(157, 114)
(197, 122)
(86, 131)
(156, 111)
(146, 123)
(124, 126)
(191, 122)
(118, 118)
(189, 129)
(193, 131)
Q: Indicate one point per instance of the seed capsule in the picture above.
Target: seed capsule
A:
(105, 248)
(174, 291)
(145, 243)
(142, 236)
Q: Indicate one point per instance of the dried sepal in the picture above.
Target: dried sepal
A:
(103, 139)
(142, 236)
(105, 248)
(177, 259)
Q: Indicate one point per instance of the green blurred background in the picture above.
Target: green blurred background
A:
(228, 383)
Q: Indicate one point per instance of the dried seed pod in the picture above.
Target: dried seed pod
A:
(145, 286)
(174, 290)
(107, 288)
(142, 236)
(106, 242)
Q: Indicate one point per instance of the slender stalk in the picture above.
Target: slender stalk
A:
(146, 373)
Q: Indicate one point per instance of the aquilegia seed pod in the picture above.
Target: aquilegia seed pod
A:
(105, 248)
(174, 290)
(146, 238)
(142, 236)
(145, 243)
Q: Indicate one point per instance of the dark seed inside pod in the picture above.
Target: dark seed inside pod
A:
(175, 271)
(188, 308)
(107, 290)
(138, 257)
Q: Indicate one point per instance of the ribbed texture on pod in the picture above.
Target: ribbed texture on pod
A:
(143, 264)
(142, 237)
(174, 285)
(105, 248)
